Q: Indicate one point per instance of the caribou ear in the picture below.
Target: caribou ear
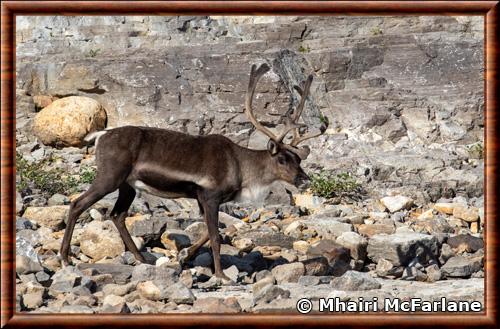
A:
(272, 147)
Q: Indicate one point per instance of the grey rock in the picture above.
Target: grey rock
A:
(25, 248)
(433, 273)
(288, 272)
(162, 273)
(120, 273)
(355, 243)
(25, 265)
(180, 294)
(352, 281)
(401, 248)
(461, 267)
(232, 273)
(58, 200)
(269, 293)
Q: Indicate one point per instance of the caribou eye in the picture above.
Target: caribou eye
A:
(281, 159)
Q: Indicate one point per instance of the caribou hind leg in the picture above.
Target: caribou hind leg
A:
(106, 181)
(126, 196)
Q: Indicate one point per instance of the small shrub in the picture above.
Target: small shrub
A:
(327, 184)
(303, 49)
(376, 31)
(93, 52)
(87, 174)
(39, 175)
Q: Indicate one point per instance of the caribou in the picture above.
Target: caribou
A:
(209, 168)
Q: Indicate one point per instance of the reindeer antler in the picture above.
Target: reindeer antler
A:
(291, 120)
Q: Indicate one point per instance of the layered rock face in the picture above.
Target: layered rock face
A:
(404, 95)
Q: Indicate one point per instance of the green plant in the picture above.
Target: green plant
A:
(87, 174)
(327, 184)
(476, 150)
(303, 49)
(93, 52)
(39, 175)
(376, 30)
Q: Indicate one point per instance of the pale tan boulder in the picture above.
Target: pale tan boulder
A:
(66, 121)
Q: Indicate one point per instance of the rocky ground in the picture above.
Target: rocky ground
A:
(404, 98)
(305, 246)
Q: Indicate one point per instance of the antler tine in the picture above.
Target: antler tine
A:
(255, 75)
(299, 139)
(291, 121)
(303, 93)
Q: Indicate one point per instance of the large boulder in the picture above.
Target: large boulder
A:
(66, 121)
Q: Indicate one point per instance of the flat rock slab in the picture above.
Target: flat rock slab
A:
(119, 272)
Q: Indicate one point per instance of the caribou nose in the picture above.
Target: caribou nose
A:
(302, 181)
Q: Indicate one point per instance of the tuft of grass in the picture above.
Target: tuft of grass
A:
(39, 175)
(328, 185)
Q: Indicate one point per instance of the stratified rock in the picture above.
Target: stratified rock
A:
(51, 217)
(401, 248)
(396, 203)
(461, 267)
(66, 121)
(353, 281)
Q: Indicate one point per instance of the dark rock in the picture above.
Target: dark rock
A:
(461, 267)
(465, 242)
